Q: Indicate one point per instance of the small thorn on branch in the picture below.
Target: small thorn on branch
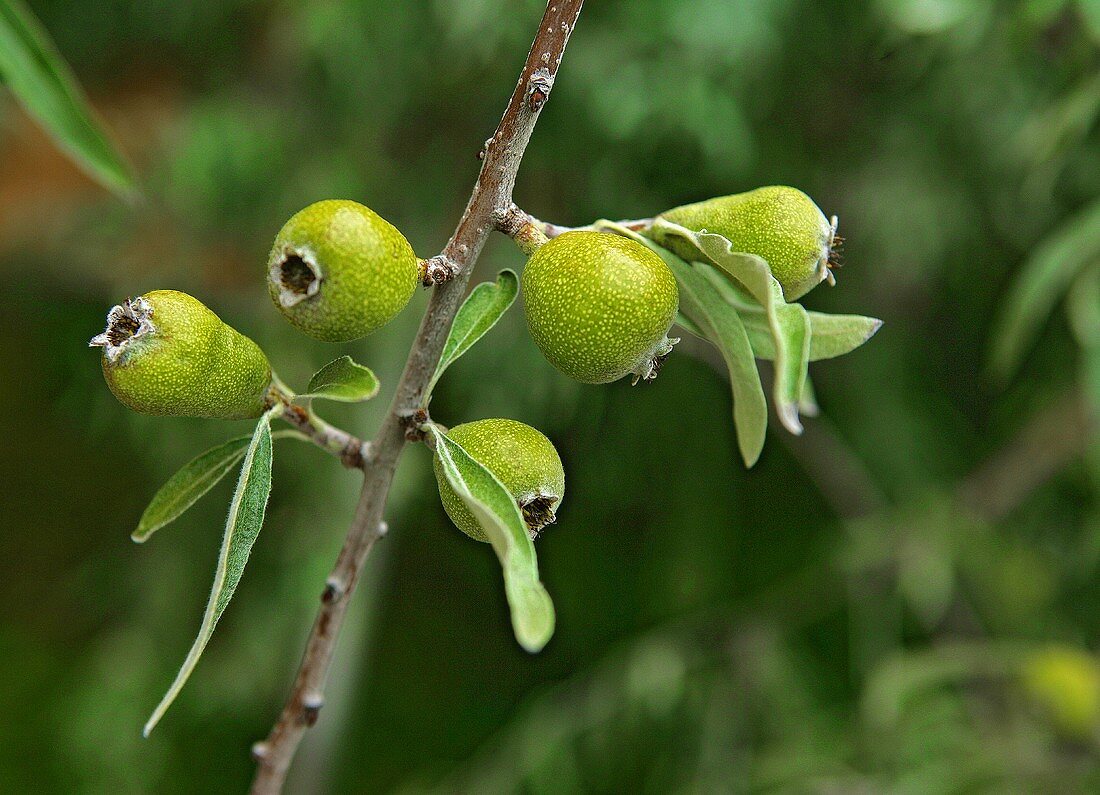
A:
(485, 148)
(438, 270)
(311, 708)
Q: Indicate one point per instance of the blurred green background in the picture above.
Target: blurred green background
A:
(904, 599)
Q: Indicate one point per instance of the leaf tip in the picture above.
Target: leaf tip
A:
(533, 645)
(788, 416)
(533, 616)
(533, 639)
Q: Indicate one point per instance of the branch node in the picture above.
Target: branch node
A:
(333, 593)
(260, 751)
(383, 528)
(438, 270)
(353, 456)
(538, 88)
(413, 422)
(311, 708)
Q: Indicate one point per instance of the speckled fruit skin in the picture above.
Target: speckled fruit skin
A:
(780, 224)
(368, 270)
(597, 304)
(192, 365)
(1064, 683)
(522, 459)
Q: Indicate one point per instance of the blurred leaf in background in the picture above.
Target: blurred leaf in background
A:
(40, 79)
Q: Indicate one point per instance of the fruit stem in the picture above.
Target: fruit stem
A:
(524, 229)
(529, 238)
(351, 451)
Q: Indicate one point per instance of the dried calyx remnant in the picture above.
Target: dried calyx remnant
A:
(298, 275)
(652, 364)
(538, 511)
(832, 259)
(126, 322)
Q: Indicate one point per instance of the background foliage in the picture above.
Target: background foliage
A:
(851, 614)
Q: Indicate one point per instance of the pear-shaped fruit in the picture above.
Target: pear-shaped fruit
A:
(166, 353)
(599, 306)
(780, 224)
(522, 459)
(338, 271)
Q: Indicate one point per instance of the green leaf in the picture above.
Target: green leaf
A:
(719, 322)
(1045, 277)
(830, 335)
(481, 310)
(192, 481)
(499, 516)
(184, 488)
(789, 324)
(724, 328)
(246, 517)
(343, 380)
(836, 335)
(43, 83)
(688, 325)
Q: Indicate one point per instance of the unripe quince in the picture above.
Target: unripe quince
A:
(166, 353)
(1064, 682)
(780, 224)
(522, 459)
(338, 271)
(599, 306)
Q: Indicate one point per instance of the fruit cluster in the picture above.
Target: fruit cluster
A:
(599, 306)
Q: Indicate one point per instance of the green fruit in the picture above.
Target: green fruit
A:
(338, 271)
(599, 306)
(780, 224)
(522, 459)
(166, 353)
(1064, 683)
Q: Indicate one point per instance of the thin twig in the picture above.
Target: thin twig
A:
(352, 451)
(489, 203)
